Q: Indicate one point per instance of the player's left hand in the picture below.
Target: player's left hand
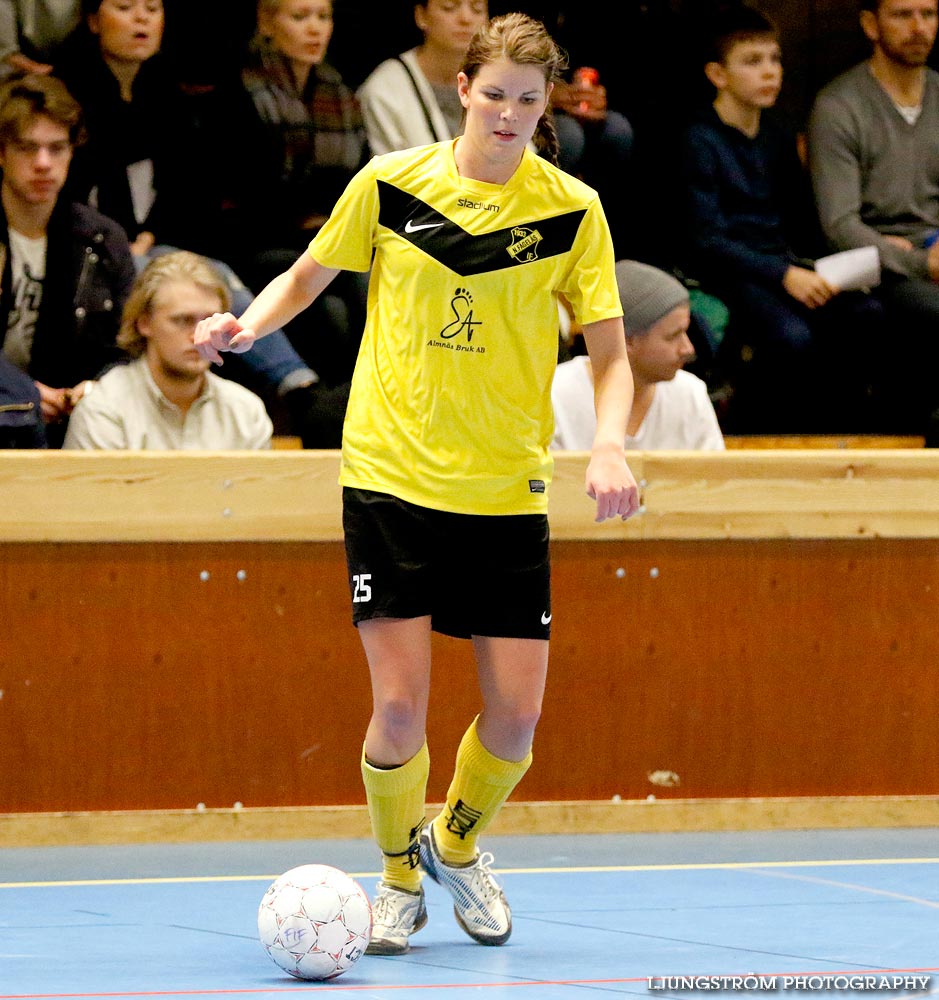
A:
(611, 484)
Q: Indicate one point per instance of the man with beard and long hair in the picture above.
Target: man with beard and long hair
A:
(875, 169)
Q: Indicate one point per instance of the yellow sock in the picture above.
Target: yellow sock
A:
(481, 783)
(396, 808)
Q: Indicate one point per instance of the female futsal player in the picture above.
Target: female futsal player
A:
(445, 461)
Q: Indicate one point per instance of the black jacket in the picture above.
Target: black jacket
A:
(89, 271)
(186, 139)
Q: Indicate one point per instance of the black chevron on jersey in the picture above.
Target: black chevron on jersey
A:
(464, 253)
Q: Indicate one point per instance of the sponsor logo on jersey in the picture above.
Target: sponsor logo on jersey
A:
(461, 306)
(464, 322)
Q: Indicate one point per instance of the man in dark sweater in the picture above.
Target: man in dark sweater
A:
(754, 237)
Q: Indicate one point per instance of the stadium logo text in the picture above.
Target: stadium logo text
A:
(482, 206)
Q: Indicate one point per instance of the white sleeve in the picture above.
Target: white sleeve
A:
(395, 113)
(393, 116)
(575, 419)
(708, 430)
(262, 430)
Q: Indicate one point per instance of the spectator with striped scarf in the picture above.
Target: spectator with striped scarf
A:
(304, 146)
(311, 134)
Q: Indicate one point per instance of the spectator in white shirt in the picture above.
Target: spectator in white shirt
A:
(166, 398)
(411, 99)
(671, 407)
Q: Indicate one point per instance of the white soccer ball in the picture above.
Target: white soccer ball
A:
(315, 922)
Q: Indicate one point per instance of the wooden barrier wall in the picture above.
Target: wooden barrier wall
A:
(174, 631)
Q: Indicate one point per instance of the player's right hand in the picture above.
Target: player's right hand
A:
(221, 332)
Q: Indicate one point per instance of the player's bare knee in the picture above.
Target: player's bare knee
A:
(517, 724)
(400, 720)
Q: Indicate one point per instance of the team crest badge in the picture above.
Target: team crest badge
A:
(525, 245)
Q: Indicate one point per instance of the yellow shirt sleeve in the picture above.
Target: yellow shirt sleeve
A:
(590, 282)
(346, 240)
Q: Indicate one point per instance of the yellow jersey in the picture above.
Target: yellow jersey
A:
(450, 406)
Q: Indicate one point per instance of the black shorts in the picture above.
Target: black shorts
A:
(474, 574)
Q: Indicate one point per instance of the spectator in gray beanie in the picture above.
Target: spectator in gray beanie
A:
(646, 295)
(671, 408)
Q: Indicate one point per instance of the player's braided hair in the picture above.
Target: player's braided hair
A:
(546, 137)
(526, 42)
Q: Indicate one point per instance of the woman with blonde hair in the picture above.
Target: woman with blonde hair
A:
(309, 128)
(445, 462)
(304, 143)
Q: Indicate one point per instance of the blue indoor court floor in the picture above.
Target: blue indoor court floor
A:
(593, 915)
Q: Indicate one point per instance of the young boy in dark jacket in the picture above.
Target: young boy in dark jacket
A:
(754, 237)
